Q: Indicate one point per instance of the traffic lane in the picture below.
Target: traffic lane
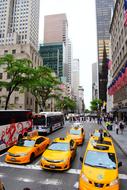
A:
(46, 180)
(88, 127)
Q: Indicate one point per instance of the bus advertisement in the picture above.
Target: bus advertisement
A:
(46, 122)
(14, 124)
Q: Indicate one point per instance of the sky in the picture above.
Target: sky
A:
(81, 18)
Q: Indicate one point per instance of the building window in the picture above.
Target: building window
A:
(16, 100)
(8, 76)
(31, 101)
(1, 75)
(5, 52)
(27, 101)
(14, 51)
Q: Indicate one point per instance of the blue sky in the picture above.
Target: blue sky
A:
(82, 32)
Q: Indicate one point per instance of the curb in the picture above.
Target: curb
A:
(125, 153)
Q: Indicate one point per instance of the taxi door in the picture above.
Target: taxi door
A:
(40, 145)
(72, 148)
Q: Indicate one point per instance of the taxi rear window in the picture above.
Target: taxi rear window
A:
(75, 132)
(26, 143)
(100, 159)
(58, 146)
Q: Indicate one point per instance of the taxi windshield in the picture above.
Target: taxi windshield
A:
(97, 134)
(26, 143)
(59, 146)
(100, 159)
(75, 132)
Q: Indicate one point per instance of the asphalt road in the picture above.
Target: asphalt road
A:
(16, 177)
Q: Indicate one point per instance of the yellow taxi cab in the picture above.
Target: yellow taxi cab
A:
(97, 132)
(99, 166)
(59, 154)
(27, 148)
(77, 133)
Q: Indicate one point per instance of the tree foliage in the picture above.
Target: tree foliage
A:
(95, 104)
(44, 85)
(66, 104)
(19, 74)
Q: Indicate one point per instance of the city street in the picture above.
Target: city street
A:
(16, 177)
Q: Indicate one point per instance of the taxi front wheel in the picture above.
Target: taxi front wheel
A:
(32, 157)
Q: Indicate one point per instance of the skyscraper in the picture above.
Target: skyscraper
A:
(19, 22)
(75, 77)
(55, 28)
(104, 10)
(56, 32)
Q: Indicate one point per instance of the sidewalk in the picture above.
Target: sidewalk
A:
(120, 139)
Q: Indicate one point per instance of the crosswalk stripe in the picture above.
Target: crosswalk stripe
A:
(37, 167)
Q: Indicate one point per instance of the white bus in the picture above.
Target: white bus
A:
(46, 122)
(14, 124)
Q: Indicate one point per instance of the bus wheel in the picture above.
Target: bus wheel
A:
(20, 137)
(32, 157)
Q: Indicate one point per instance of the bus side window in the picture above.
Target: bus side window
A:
(48, 121)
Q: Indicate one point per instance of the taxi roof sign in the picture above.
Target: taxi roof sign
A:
(32, 134)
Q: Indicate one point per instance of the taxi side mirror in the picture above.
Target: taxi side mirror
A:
(81, 159)
(119, 164)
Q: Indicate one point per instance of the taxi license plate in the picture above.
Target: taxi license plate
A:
(13, 159)
(52, 166)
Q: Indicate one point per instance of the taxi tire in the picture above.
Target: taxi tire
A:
(32, 157)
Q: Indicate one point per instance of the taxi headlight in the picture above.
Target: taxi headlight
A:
(43, 158)
(23, 154)
(84, 178)
(114, 182)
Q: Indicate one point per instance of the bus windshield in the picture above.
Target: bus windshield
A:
(39, 120)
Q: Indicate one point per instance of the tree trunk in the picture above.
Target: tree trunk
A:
(7, 100)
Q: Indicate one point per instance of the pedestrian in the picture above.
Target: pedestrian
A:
(117, 128)
(121, 126)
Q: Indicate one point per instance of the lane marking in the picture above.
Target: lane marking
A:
(27, 180)
(38, 163)
(122, 176)
(3, 154)
(73, 171)
(76, 185)
(51, 182)
(35, 167)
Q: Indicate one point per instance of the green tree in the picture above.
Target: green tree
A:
(44, 86)
(95, 104)
(66, 104)
(87, 111)
(18, 72)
